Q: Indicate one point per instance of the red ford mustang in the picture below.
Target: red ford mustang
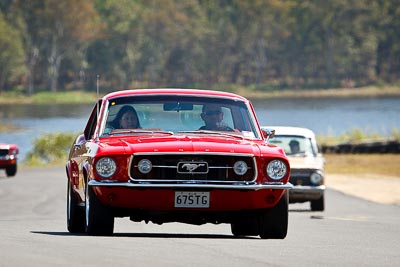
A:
(177, 155)
(8, 158)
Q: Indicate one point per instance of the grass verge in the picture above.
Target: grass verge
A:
(75, 97)
(359, 164)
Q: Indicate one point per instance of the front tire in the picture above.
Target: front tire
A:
(274, 221)
(99, 219)
(246, 226)
(11, 170)
(318, 205)
(75, 214)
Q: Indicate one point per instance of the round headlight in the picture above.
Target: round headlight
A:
(145, 166)
(240, 167)
(106, 167)
(316, 178)
(276, 169)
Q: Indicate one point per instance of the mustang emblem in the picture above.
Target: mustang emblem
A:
(192, 166)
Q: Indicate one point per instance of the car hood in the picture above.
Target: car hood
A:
(185, 143)
(306, 162)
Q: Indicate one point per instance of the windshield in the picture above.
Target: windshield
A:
(178, 114)
(294, 145)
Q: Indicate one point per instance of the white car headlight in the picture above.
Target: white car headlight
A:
(316, 178)
(240, 167)
(106, 167)
(276, 169)
(145, 166)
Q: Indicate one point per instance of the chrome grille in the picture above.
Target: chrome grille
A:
(208, 167)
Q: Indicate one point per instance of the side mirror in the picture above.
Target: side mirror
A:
(267, 133)
(80, 140)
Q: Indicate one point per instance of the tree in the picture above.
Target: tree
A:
(154, 43)
(387, 24)
(12, 67)
(172, 35)
(330, 43)
(150, 42)
(66, 33)
(57, 29)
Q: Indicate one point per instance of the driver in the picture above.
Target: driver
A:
(294, 146)
(212, 116)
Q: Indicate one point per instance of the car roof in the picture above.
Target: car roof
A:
(289, 130)
(174, 91)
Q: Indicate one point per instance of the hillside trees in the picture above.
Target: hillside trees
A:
(149, 43)
(55, 30)
(330, 43)
(244, 36)
(198, 43)
(386, 19)
(12, 65)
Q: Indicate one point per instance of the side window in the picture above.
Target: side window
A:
(92, 122)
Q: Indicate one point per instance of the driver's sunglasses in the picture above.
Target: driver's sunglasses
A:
(212, 112)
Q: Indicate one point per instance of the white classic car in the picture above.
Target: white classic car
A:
(306, 163)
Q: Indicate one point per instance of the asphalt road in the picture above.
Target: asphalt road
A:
(350, 232)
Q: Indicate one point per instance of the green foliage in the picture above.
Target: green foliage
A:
(396, 134)
(50, 149)
(262, 45)
(64, 97)
(74, 97)
(12, 65)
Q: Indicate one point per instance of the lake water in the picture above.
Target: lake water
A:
(333, 116)
(323, 116)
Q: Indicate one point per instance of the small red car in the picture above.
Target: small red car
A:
(177, 155)
(8, 158)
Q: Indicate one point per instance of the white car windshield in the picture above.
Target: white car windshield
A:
(294, 145)
(178, 114)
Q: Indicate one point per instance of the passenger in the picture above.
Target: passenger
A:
(212, 116)
(294, 146)
(126, 119)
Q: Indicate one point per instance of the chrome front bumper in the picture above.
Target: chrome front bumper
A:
(238, 186)
(301, 192)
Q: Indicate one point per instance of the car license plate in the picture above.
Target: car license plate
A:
(184, 199)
